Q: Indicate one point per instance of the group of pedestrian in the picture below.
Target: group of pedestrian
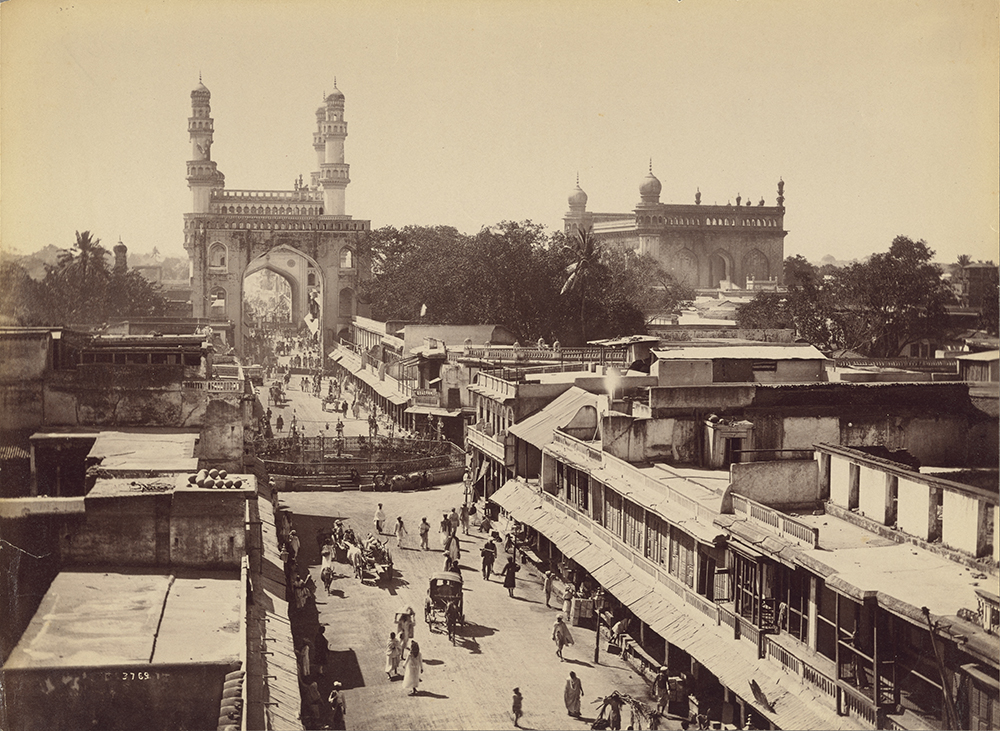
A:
(398, 529)
(402, 648)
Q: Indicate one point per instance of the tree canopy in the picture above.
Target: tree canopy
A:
(80, 289)
(875, 307)
(515, 274)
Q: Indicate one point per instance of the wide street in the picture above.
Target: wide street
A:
(505, 642)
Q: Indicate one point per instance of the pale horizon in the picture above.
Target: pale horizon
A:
(881, 118)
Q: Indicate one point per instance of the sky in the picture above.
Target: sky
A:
(881, 117)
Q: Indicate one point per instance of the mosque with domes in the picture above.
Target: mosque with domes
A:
(706, 247)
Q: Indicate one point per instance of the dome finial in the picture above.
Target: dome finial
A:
(334, 82)
(578, 178)
(650, 166)
(199, 77)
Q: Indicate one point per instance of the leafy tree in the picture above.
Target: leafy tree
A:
(766, 311)
(876, 307)
(891, 300)
(799, 272)
(82, 289)
(22, 300)
(643, 280)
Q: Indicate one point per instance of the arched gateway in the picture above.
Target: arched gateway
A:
(301, 235)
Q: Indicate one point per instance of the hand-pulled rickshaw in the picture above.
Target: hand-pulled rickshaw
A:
(445, 588)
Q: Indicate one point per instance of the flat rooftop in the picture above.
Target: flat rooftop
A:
(904, 571)
(97, 618)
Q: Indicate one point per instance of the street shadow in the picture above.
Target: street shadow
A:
(433, 662)
(578, 662)
(476, 630)
(428, 694)
(343, 665)
(468, 643)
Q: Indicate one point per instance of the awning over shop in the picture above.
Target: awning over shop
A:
(386, 389)
(792, 704)
(432, 411)
(538, 429)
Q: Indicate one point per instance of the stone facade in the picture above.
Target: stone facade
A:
(302, 235)
(706, 247)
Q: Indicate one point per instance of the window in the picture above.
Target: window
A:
(217, 255)
(575, 488)
(656, 539)
(613, 512)
(682, 556)
(793, 592)
(745, 576)
(346, 258)
(635, 528)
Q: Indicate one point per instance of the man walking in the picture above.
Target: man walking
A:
(561, 636)
(379, 519)
(424, 531)
(547, 586)
(489, 554)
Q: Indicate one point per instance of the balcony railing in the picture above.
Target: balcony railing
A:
(776, 520)
(588, 452)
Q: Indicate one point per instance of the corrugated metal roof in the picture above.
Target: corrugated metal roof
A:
(742, 352)
(537, 429)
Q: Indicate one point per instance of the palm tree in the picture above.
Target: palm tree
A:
(86, 253)
(76, 267)
(585, 252)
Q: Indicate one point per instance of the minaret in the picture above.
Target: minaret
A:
(334, 174)
(202, 173)
(121, 258)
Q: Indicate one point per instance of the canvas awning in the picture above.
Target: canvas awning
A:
(790, 703)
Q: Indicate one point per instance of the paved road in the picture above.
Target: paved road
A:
(505, 642)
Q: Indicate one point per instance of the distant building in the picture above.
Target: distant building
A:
(977, 281)
(703, 246)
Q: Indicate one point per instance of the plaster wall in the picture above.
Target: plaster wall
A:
(793, 371)
(206, 529)
(913, 507)
(24, 357)
(964, 523)
(22, 405)
(221, 442)
(714, 397)
(840, 480)
(872, 494)
(802, 432)
(782, 482)
(682, 372)
(128, 530)
(116, 698)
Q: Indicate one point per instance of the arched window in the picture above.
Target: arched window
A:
(312, 278)
(346, 258)
(217, 255)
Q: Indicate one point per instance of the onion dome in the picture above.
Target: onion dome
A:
(201, 90)
(336, 95)
(578, 198)
(649, 189)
